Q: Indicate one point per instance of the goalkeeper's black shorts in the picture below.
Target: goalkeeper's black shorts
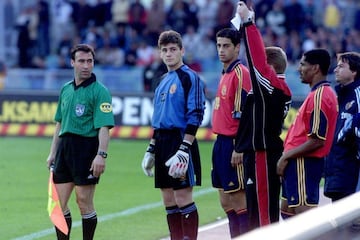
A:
(167, 144)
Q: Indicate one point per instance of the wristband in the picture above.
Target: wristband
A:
(151, 148)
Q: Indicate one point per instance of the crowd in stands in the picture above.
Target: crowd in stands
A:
(124, 32)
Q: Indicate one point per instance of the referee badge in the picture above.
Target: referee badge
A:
(79, 109)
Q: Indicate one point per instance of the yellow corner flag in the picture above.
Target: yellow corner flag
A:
(54, 209)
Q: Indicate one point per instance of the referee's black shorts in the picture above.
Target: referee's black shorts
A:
(74, 158)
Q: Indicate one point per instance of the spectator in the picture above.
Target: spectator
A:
(206, 52)
(177, 16)
(331, 15)
(275, 18)
(63, 19)
(101, 12)
(109, 56)
(2, 74)
(131, 55)
(120, 36)
(191, 40)
(119, 11)
(43, 26)
(82, 14)
(225, 12)
(137, 16)
(206, 15)
(294, 13)
(193, 14)
(262, 7)
(23, 40)
(155, 22)
(153, 73)
(144, 53)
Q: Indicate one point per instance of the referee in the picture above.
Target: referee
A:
(80, 142)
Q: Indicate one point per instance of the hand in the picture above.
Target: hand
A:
(98, 166)
(245, 14)
(236, 158)
(149, 160)
(178, 164)
(50, 161)
(281, 165)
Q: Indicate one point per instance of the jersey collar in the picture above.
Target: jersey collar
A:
(231, 66)
(86, 82)
(324, 82)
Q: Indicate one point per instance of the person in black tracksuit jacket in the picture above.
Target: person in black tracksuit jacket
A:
(258, 141)
(343, 163)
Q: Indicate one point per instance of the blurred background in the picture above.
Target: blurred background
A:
(36, 37)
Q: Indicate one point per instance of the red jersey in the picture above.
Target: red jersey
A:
(230, 97)
(316, 116)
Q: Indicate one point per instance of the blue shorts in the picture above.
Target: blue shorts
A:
(223, 175)
(301, 182)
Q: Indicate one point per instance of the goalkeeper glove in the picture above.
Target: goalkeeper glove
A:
(149, 160)
(178, 163)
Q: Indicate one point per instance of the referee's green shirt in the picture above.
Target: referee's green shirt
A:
(82, 110)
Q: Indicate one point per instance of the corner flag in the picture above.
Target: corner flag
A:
(54, 209)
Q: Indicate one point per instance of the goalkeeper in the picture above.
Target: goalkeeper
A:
(179, 104)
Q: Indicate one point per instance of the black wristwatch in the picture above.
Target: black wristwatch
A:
(103, 154)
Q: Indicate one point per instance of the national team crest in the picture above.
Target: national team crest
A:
(172, 89)
(79, 110)
(223, 91)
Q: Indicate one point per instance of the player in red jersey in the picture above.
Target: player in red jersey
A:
(227, 175)
(309, 137)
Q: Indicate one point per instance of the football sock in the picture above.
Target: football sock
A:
(174, 222)
(286, 215)
(234, 224)
(190, 221)
(243, 219)
(59, 234)
(89, 222)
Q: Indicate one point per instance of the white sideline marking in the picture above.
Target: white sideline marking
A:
(213, 225)
(127, 212)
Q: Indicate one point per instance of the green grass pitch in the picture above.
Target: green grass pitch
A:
(128, 205)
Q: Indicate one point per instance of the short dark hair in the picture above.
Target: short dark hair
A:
(230, 33)
(82, 48)
(276, 57)
(353, 59)
(170, 36)
(319, 56)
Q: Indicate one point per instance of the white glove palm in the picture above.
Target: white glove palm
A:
(178, 163)
(148, 161)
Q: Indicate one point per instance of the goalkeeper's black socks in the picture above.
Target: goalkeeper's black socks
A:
(190, 221)
(174, 222)
(89, 222)
(59, 234)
